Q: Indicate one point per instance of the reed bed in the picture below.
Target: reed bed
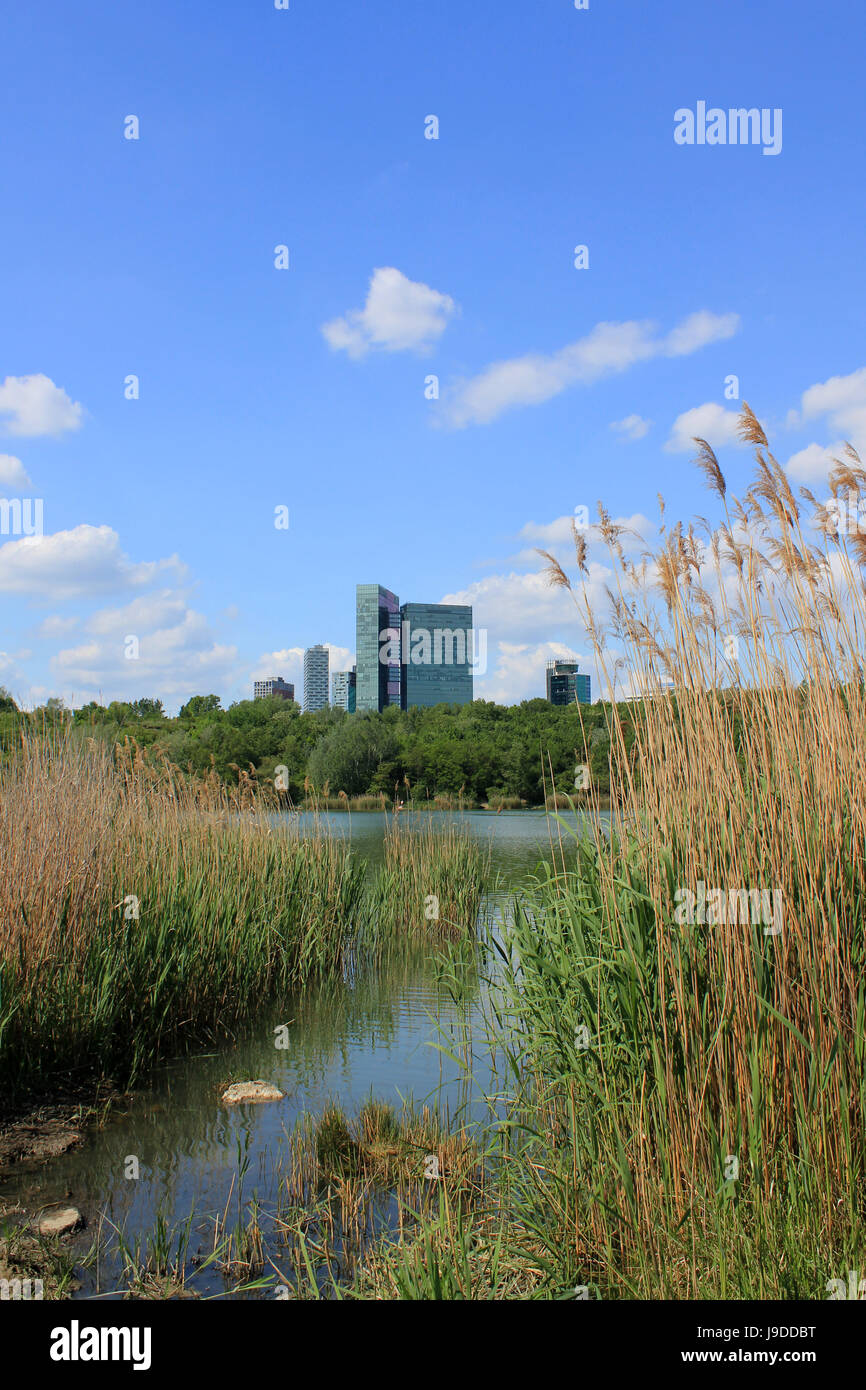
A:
(683, 995)
(140, 908)
(697, 1058)
(318, 802)
(430, 885)
(403, 799)
(358, 1193)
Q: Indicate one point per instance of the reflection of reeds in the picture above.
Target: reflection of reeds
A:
(713, 1050)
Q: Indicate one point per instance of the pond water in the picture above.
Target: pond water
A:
(381, 1033)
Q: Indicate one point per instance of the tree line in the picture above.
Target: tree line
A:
(482, 751)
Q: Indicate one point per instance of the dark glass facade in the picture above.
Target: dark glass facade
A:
(437, 654)
(565, 684)
(377, 644)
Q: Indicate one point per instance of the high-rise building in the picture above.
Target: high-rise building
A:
(437, 655)
(377, 645)
(343, 689)
(417, 654)
(274, 685)
(316, 677)
(565, 684)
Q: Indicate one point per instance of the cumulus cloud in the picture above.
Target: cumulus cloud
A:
(710, 422)
(812, 464)
(34, 405)
(607, 349)
(515, 607)
(152, 612)
(518, 671)
(632, 427)
(13, 474)
(174, 652)
(842, 400)
(86, 561)
(399, 315)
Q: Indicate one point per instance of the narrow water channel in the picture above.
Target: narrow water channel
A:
(386, 1033)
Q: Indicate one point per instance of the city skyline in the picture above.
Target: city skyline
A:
(316, 677)
(341, 330)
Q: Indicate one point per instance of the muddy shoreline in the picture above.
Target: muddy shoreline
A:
(41, 1127)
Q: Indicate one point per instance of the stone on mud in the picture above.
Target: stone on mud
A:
(60, 1222)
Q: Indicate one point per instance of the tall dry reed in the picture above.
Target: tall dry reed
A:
(140, 907)
(698, 1056)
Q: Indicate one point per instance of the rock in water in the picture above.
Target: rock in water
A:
(244, 1092)
(59, 1223)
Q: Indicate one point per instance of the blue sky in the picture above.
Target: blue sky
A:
(408, 257)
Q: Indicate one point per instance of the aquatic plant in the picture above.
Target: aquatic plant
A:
(140, 908)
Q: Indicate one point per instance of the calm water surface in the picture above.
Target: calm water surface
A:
(381, 1033)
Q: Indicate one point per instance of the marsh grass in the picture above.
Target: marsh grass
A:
(711, 1048)
(357, 1189)
(319, 802)
(140, 909)
(689, 1113)
(431, 884)
(26, 1255)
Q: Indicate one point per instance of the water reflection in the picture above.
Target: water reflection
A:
(385, 1031)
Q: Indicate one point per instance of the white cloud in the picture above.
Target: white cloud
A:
(812, 464)
(36, 406)
(278, 663)
(632, 427)
(518, 671)
(13, 474)
(55, 626)
(607, 349)
(340, 658)
(149, 613)
(517, 607)
(698, 330)
(843, 400)
(710, 422)
(84, 562)
(399, 315)
(176, 653)
(548, 533)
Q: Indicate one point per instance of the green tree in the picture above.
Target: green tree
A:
(348, 757)
(198, 705)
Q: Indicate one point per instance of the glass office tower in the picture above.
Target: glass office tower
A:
(316, 677)
(565, 684)
(377, 646)
(437, 654)
(343, 690)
